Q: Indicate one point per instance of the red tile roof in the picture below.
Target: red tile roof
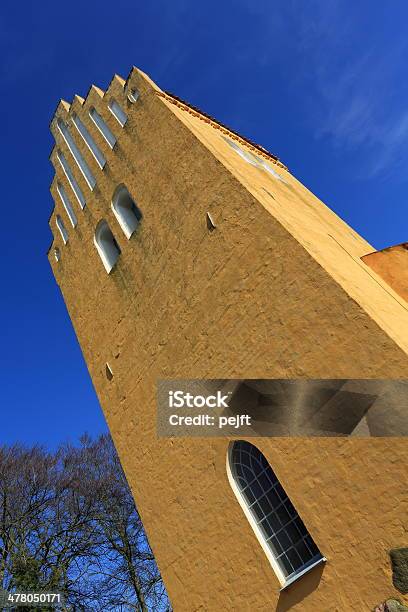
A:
(199, 113)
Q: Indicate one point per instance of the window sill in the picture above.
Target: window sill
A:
(307, 569)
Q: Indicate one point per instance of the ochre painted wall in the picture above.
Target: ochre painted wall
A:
(392, 265)
(277, 290)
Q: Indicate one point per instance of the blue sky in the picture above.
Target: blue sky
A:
(322, 84)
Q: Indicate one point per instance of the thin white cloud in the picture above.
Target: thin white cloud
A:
(354, 101)
(347, 82)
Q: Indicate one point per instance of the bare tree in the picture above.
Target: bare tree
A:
(68, 522)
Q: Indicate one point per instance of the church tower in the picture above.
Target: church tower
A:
(183, 250)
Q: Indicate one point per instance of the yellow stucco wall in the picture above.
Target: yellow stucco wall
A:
(277, 290)
(392, 265)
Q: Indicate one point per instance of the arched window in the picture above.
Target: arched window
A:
(280, 530)
(106, 245)
(62, 229)
(126, 211)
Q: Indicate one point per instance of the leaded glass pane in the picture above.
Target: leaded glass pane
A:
(273, 512)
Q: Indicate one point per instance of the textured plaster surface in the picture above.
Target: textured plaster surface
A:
(277, 290)
(391, 265)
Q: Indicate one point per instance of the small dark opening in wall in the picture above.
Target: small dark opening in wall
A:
(108, 371)
(269, 193)
(210, 222)
(133, 95)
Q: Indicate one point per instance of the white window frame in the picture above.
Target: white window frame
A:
(128, 222)
(249, 157)
(71, 179)
(89, 141)
(67, 204)
(117, 111)
(254, 160)
(264, 165)
(77, 155)
(283, 580)
(108, 260)
(62, 229)
(102, 127)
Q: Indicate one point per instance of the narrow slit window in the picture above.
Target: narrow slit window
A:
(279, 528)
(67, 204)
(89, 141)
(102, 127)
(117, 112)
(126, 211)
(210, 222)
(76, 154)
(108, 372)
(106, 245)
(71, 179)
(244, 154)
(60, 224)
(264, 164)
(57, 254)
